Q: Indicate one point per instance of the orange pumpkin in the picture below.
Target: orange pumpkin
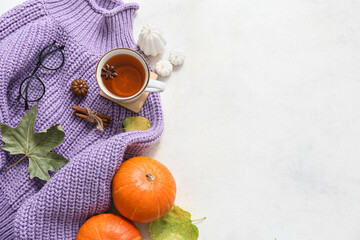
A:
(143, 189)
(108, 226)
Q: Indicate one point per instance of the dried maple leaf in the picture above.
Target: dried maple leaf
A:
(35, 146)
(136, 124)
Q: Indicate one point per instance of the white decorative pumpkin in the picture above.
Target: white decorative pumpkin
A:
(151, 40)
(164, 68)
(177, 57)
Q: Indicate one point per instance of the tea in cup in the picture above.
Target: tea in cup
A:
(123, 75)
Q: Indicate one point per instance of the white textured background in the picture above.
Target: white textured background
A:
(263, 120)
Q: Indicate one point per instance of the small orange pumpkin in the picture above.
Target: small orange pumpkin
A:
(143, 189)
(108, 226)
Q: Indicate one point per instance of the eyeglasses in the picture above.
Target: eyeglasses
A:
(32, 89)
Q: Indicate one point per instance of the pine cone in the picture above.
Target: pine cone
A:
(79, 87)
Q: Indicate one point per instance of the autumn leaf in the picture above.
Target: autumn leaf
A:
(136, 124)
(175, 224)
(35, 146)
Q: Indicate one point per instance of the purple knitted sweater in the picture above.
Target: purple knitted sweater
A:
(35, 209)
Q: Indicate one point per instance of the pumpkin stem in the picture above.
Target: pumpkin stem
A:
(150, 177)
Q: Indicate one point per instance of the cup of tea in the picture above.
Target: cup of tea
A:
(123, 75)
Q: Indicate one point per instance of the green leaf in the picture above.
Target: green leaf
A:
(175, 224)
(35, 146)
(136, 124)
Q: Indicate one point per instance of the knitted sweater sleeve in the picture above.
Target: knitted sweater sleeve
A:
(24, 31)
(20, 42)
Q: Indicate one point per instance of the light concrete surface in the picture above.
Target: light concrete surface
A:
(262, 122)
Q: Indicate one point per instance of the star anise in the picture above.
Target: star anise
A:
(108, 72)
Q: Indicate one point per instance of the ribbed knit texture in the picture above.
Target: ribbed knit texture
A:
(35, 209)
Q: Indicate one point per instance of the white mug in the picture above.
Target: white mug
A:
(150, 85)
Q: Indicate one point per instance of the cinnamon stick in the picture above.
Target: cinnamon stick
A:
(83, 110)
(87, 117)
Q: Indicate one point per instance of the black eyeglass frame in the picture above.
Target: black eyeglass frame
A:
(39, 64)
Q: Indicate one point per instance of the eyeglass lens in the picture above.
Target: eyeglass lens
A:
(32, 89)
(52, 57)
